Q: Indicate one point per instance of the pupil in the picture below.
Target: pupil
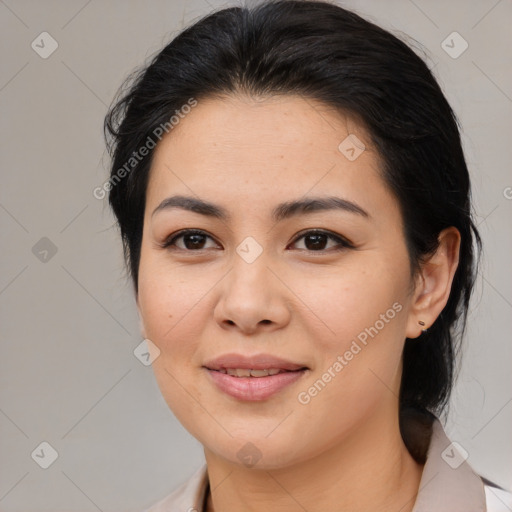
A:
(195, 239)
(317, 241)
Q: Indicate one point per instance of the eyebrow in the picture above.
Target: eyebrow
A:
(280, 212)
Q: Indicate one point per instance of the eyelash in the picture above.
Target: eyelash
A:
(343, 243)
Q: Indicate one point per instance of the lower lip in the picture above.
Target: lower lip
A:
(254, 388)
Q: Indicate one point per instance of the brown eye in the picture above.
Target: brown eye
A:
(318, 240)
(192, 240)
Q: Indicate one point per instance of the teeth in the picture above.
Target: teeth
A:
(263, 373)
(239, 373)
(246, 372)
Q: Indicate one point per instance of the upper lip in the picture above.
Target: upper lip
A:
(255, 362)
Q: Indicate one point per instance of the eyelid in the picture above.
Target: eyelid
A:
(171, 239)
(343, 242)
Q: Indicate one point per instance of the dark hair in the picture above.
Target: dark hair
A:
(326, 53)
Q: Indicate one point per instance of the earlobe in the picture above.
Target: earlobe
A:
(434, 283)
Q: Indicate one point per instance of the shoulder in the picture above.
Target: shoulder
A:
(188, 497)
(497, 500)
(448, 482)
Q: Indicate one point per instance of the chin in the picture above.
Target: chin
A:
(257, 451)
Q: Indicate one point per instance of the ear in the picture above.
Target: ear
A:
(434, 283)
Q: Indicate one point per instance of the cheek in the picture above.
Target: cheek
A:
(172, 310)
(168, 296)
(349, 303)
(358, 340)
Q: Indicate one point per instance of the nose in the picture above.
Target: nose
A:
(252, 298)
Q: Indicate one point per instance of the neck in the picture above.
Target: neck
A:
(370, 469)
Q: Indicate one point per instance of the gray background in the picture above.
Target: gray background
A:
(68, 375)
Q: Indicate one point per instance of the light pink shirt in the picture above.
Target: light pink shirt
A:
(448, 484)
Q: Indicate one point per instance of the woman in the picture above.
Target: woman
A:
(294, 205)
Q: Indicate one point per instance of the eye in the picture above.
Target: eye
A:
(193, 240)
(316, 241)
(196, 240)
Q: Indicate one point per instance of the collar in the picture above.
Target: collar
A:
(448, 483)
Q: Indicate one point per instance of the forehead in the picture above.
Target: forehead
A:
(244, 148)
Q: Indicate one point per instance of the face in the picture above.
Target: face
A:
(321, 294)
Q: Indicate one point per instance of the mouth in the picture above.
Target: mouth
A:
(253, 378)
(246, 372)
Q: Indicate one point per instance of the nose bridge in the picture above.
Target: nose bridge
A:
(250, 266)
(250, 250)
(251, 293)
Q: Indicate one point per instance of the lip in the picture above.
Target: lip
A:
(255, 362)
(253, 388)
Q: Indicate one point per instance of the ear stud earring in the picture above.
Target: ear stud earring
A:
(422, 323)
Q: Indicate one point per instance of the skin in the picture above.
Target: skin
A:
(342, 450)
